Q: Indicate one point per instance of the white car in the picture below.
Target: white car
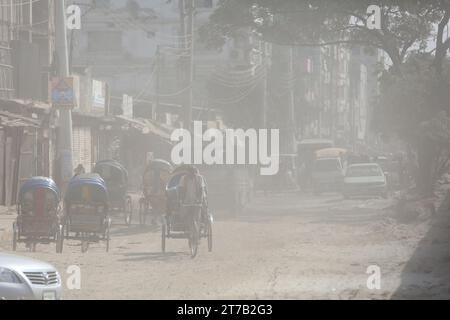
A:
(365, 180)
(28, 279)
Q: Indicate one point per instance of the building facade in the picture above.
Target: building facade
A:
(140, 48)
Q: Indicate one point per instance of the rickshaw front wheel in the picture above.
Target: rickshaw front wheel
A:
(193, 238)
(209, 233)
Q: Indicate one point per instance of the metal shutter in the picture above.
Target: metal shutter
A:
(82, 147)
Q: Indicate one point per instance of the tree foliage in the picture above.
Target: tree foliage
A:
(415, 93)
(405, 24)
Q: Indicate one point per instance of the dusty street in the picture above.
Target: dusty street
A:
(289, 246)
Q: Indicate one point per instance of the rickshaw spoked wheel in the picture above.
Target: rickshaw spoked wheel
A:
(193, 238)
(128, 210)
(209, 235)
(163, 237)
(15, 236)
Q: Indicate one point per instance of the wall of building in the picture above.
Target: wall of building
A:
(122, 48)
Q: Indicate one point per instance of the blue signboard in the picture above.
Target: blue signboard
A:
(63, 95)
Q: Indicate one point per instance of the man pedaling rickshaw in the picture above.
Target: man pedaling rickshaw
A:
(187, 215)
(193, 192)
(155, 178)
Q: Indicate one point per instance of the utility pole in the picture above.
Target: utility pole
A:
(264, 124)
(157, 82)
(64, 151)
(30, 33)
(291, 106)
(190, 70)
(182, 34)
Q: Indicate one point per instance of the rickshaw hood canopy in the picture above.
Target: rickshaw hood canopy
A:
(330, 152)
(39, 182)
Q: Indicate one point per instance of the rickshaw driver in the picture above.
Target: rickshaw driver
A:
(154, 182)
(192, 190)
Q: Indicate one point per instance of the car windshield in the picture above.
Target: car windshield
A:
(364, 171)
(327, 165)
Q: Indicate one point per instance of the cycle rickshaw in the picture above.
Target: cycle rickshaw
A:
(86, 206)
(153, 200)
(191, 222)
(116, 178)
(38, 215)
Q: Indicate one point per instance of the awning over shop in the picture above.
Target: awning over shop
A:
(8, 119)
(26, 104)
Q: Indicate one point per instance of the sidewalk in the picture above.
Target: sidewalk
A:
(427, 273)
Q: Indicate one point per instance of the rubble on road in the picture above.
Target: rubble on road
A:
(408, 207)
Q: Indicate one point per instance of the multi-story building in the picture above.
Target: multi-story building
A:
(26, 48)
(335, 87)
(140, 48)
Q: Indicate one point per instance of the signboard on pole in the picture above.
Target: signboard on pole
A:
(63, 95)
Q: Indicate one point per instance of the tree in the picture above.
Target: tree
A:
(415, 106)
(415, 88)
(406, 24)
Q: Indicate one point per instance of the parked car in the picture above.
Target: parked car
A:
(28, 279)
(327, 175)
(365, 180)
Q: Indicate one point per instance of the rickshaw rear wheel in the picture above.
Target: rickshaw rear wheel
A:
(209, 234)
(163, 237)
(15, 236)
(193, 238)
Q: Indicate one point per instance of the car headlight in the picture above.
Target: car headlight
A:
(8, 276)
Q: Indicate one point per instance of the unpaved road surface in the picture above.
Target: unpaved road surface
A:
(287, 246)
